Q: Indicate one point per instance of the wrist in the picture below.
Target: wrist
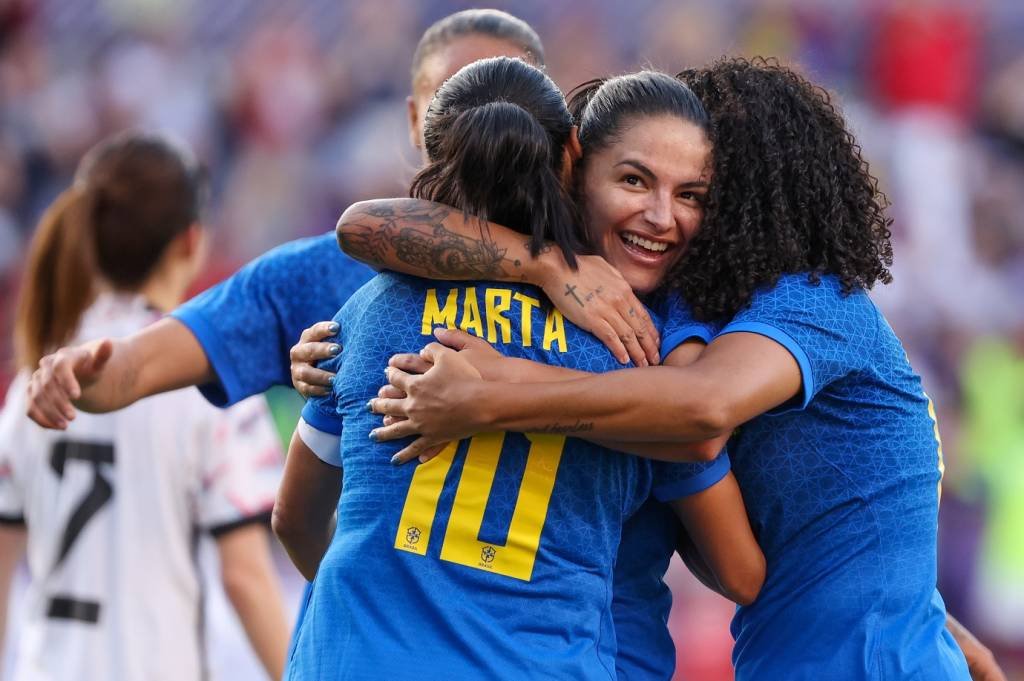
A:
(485, 409)
(545, 268)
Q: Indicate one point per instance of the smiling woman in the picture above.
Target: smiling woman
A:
(642, 188)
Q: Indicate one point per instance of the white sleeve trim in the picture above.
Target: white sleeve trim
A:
(326, 446)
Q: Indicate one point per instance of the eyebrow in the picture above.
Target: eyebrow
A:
(644, 170)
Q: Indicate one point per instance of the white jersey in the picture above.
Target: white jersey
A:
(114, 506)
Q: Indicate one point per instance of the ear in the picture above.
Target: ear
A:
(573, 145)
(191, 241)
(415, 128)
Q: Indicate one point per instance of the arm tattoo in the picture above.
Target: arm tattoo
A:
(415, 235)
(566, 428)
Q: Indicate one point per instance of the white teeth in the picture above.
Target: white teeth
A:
(645, 243)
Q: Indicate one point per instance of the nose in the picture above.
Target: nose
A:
(658, 212)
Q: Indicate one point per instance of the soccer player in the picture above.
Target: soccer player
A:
(233, 339)
(506, 570)
(110, 508)
(835, 445)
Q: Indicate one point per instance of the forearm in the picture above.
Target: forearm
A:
(435, 241)
(652, 405)
(161, 357)
(303, 517)
(306, 548)
(12, 547)
(252, 587)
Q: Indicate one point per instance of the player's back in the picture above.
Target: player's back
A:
(114, 506)
(492, 560)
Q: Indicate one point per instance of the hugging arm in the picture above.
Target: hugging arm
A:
(108, 374)
(738, 376)
(436, 241)
(304, 517)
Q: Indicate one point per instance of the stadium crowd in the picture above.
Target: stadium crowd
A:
(297, 109)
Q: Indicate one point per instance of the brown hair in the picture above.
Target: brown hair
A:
(133, 194)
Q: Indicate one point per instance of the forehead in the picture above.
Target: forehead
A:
(463, 50)
(674, 149)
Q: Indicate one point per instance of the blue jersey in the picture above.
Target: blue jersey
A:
(247, 323)
(494, 559)
(842, 487)
(642, 599)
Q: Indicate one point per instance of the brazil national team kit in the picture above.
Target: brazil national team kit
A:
(494, 559)
(246, 325)
(845, 591)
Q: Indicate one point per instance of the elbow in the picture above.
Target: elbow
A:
(355, 226)
(713, 416)
(287, 524)
(743, 586)
(705, 451)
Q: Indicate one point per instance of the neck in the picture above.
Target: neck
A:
(164, 290)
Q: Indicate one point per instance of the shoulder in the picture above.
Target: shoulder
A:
(319, 254)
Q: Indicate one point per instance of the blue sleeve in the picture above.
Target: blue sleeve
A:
(247, 323)
(678, 480)
(681, 326)
(321, 411)
(827, 332)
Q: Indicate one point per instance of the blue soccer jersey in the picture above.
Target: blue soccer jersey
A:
(842, 488)
(642, 600)
(494, 560)
(247, 323)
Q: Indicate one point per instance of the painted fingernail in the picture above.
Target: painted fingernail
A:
(373, 435)
(369, 405)
(395, 460)
(335, 349)
(333, 328)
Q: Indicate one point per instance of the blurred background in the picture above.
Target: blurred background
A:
(298, 109)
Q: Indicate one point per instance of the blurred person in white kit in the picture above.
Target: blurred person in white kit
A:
(111, 509)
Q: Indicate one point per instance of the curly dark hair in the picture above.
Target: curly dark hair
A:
(790, 191)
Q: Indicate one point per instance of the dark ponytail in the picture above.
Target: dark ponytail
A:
(495, 135)
(133, 194)
(58, 281)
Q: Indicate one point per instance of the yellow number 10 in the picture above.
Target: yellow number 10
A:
(516, 557)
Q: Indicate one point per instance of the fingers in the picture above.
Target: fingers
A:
(391, 392)
(410, 363)
(319, 332)
(398, 378)
(388, 406)
(312, 376)
(44, 405)
(432, 452)
(308, 353)
(459, 339)
(395, 431)
(629, 340)
(420, 447)
(434, 352)
(101, 352)
(61, 373)
(645, 331)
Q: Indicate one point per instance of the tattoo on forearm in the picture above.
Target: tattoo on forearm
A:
(567, 428)
(415, 235)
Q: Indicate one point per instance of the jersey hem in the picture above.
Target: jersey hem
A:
(792, 347)
(12, 520)
(680, 336)
(218, 531)
(709, 477)
(225, 390)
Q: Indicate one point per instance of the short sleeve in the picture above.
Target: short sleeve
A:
(241, 469)
(321, 412)
(677, 480)
(681, 326)
(248, 322)
(14, 426)
(829, 333)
